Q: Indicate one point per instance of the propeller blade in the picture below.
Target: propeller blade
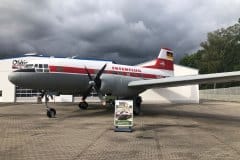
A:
(96, 83)
(100, 72)
(87, 93)
(89, 75)
(97, 79)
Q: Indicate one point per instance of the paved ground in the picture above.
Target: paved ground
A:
(210, 130)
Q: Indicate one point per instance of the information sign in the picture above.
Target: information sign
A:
(123, 117)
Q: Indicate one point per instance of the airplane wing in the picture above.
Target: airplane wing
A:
(186, 80)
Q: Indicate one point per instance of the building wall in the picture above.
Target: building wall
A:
(7, 88)
(183, 94)
(6, 67)
(221, 94)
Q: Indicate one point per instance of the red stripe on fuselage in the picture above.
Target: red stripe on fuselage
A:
(162, 64)
(70, 69)
(63, 69)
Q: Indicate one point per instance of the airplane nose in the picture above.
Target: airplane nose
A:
(14, 78)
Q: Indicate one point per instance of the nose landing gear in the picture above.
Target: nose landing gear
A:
(51, 112)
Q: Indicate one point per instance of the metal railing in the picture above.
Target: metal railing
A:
(223, 94)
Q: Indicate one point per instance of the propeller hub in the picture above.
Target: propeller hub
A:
(92, 83)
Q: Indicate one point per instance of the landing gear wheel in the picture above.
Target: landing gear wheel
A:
(83, 105)
(51, 113)
(137, 105)
(136, 110)
(110, 103)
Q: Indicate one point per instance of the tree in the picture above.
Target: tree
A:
(191, 60)
(219, 53)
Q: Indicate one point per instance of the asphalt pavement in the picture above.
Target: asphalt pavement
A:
(210, 130)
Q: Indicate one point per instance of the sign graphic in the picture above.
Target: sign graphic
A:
(123, 116)
(18, 63)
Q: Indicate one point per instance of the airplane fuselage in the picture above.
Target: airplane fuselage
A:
(69, 76)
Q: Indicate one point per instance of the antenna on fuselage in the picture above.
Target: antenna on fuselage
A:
(30, 54)
(33, 54)
(71, 57)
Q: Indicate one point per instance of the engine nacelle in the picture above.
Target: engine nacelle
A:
(117, 85)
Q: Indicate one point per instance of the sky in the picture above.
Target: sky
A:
(126, 31)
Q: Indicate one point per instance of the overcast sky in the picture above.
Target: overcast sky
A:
(127, 31)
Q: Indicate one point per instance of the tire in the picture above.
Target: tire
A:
(137, 105)
(136, 110)
(51, 113)
(83, 105)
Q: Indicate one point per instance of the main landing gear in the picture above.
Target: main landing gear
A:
(137, 101)
(83, 105)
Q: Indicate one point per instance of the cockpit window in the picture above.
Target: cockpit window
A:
(28, 66)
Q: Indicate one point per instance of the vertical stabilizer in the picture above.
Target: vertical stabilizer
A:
(164, 60)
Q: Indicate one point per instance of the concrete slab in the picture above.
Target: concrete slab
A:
(209, 130)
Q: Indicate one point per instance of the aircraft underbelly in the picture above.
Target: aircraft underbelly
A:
(55, 82)
(63, 83)
(117, 85)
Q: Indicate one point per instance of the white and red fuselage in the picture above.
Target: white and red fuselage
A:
(70, 76)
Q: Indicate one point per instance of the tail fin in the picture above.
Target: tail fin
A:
(164, 60)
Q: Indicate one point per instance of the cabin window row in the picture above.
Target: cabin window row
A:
(38, 67)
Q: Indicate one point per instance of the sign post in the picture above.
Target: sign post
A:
(123, 116)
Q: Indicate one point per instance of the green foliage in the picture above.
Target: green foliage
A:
(219, 53)
(191, 60)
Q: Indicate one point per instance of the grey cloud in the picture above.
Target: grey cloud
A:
(125, 31)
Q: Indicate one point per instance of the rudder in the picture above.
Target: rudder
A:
(164, 60)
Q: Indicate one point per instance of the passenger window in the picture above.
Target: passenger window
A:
(46, 70)
(40, 66)
(0, 93)
(39, 70)
(45, 66)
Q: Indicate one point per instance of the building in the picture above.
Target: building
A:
(182, 94)
(11, 93)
